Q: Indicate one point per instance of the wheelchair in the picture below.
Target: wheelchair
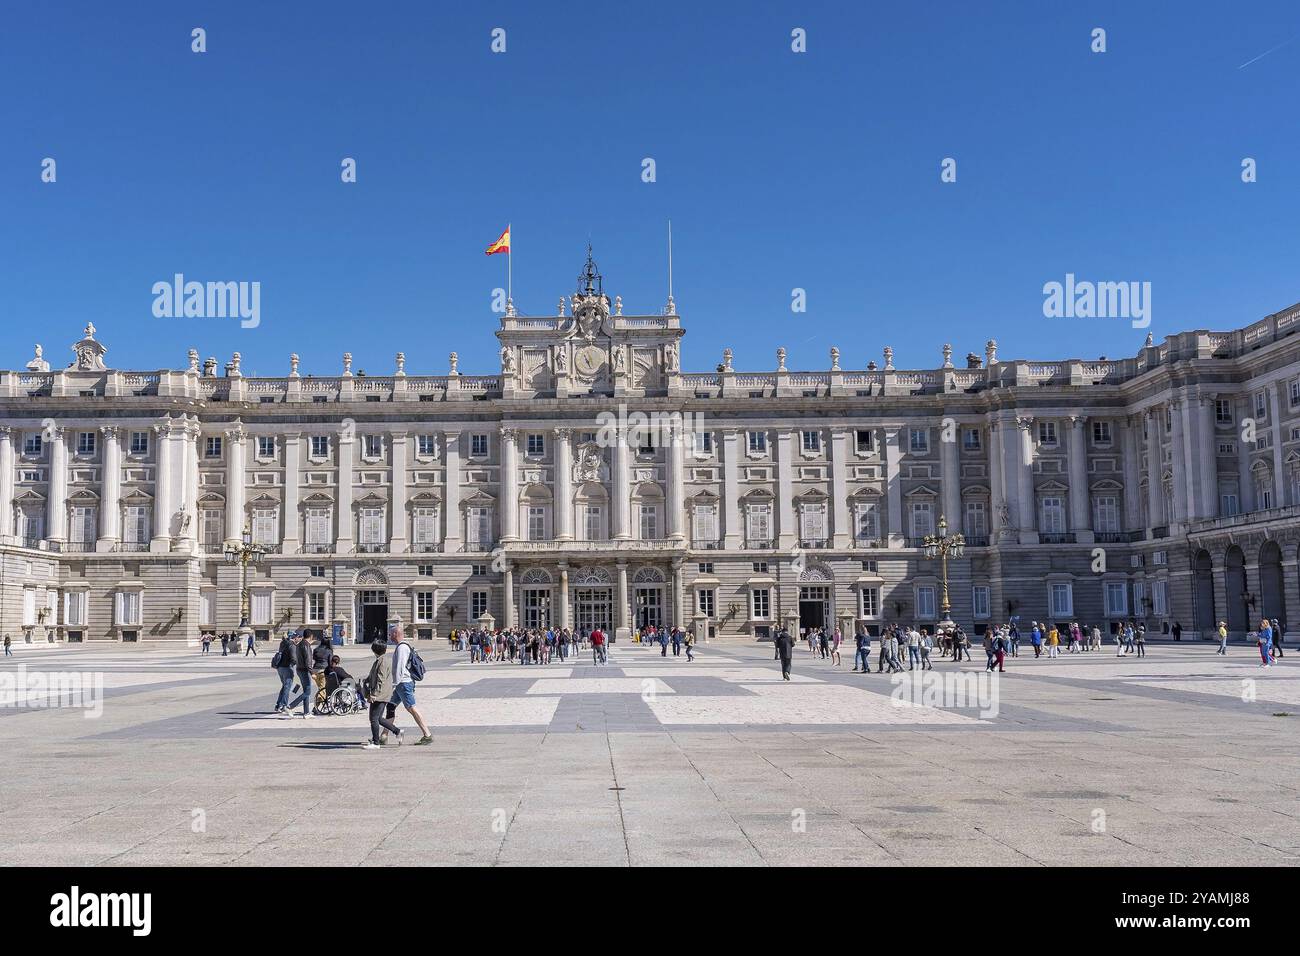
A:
(347, 698)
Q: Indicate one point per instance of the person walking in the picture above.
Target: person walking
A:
(677, 641)
(1053, 641)
(836, 639)
(884, 648)
(205, 640)
(1277, 639)
(225, 644)
(9, 650)
(989, 649)
(961, 645)
(862, 652)
(1265, 642)
(913, 648)
(598, 646)
(252, 644)
(1223, 639)
(282, 661)
(1141, 642)
(1177, 631)
(925, 646)
(1000, 652)
(379, 687)
(690, 646)
(784, 651)
(302, 661)
(404, 686)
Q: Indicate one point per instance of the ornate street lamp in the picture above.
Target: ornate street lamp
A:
(942, 546)
(242, 553)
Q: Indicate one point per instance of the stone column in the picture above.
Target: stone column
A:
(1179, 467)
(234, 439)
(1208, 442)
(162, 499)
(564, 596)
(56, 521)
(732, 529)
(1246, 481)
(6, 485)
(509, 485)
(841, 526)
(398, 521)
(676, 503)
(563, 485)
(1193, 473)
(950, 470)
(188, 437)
(1132, 475)
(678, 604)
(1279, 469)
(508, 601)
(110, 505)
(621, 612)
(1155, 485)
(893, 487)
(1080, 499)
(292, 463)
(347, 446)
(997, 488)
(451, 490)
(785, 523)
(1025, 483)
(622, 491)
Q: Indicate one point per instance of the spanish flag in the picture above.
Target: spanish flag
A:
(501, 245)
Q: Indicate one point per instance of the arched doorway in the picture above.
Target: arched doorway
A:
(1271, 602)
(372, 605)
(1234, 580)
(1203, 592)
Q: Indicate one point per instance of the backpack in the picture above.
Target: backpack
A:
(415, 665)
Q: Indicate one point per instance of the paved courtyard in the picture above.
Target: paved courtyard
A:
(1179, 758)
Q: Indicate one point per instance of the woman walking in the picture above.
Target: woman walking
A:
(379, 687)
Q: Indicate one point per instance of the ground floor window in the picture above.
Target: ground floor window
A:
(760, 603)
(207, 607)
(478, 604)
(1062, 599)
(925, 602)
(74, 608)
(424, 606)
(1160, 598)
(870, 602)
(705, 601)
(1116, 599)
(315, 607)
(979, 599)
(128, 608)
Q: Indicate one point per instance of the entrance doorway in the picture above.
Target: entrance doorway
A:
(649, 607)
(372, 615)
(591, 609)
(537, 608)
(814, 607)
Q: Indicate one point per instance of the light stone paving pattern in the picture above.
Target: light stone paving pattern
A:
(572, 763)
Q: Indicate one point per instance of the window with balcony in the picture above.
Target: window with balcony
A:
(424, 528)
(318, 524)
(266, 527)
(922, 519)
(704, 525)
(1051, 515)
(758, 525)
(1105, 514)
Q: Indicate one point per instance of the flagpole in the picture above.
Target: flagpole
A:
(510, 252)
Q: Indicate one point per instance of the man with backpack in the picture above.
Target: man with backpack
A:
(407, 669)
(283, 661)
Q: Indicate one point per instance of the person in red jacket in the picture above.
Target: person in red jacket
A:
(598, 646)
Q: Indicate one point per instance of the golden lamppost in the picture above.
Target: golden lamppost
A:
(243, 552)
(942, 546)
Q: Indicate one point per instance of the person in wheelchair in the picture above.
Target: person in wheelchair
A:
(343, 692)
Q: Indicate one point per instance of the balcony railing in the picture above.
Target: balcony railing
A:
(371, 547)
(977, 540)
(76, 547)
(759, 544)
(1248, 517)
(133, 546)
(656, 544)
(1160, 532)
(703, 544)
(33, 543)
(316, 548)
(868, 542)
(810, 544)
(426, 547)
(1056, 537)
(1118, 537)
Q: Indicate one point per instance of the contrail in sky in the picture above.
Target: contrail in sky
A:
(1267, 52)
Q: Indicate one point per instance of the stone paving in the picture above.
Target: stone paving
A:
(1182, 757)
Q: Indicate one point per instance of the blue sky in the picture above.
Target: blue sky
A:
(779, 170)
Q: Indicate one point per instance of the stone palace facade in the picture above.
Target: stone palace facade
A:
(1164, 487)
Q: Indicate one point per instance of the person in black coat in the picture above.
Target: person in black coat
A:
(785, 651)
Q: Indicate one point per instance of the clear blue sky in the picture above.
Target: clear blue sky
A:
(779, 170)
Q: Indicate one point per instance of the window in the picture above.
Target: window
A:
(425, 570)
(479, 527)
(812, 441)
(702, 443)
(760, 567)
(1052, 510)
(1160, 598)
(424, 527)
(1116, 599)
(812, 522)
(757, 442)
(536, 446)
(86, 444)
(975, 522)
(705, 601)
(32, 445)
(1062, 599)
(758, 523)
(536, 524)
(922, 519)
(1047, 434)
(371, 526)
(372, 446)
(592, 523)
(320, 446)
(979, 601)
(1101, 433)
(478, 604)
(318, 521)
(1293, 390)
(212, 447)
(425, 446)
(1229, 505)
(760, 600)
(1105, 514)
(266, 529)
(867, 523)
(315, 607)
(478, 446)
(865, 441)
(705, 567)
(207, 606)
(870, 602)
(478, 570)
(135, 524)
(317, 571)
(139, 443)
(649, 522)
(1223, 411)
(82, 520)
(128, 608)
(704, 523)
(1261, 405)
(265, 446)
(919, 440)
(260, 605)
(424, 606)
(970, 439)
(210, 521)
(925, 602)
